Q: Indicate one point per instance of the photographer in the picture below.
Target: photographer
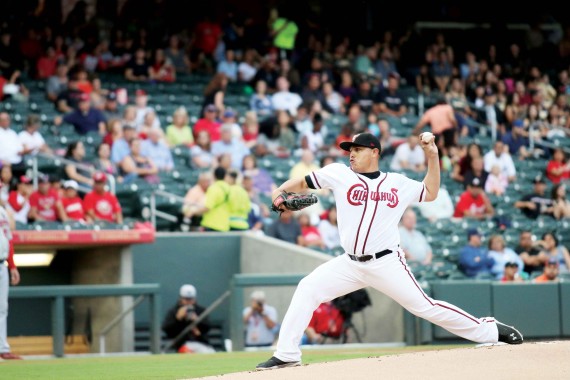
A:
(182, 315)
(260, 322)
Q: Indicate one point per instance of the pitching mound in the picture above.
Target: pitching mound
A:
(541, 360)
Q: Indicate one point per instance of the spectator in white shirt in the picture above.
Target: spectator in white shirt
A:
(314, 139)
(409, 156)
(440, 208)
(500, 156)
(328, 229)
(248, 67)
(284, 99)
(413, 242)
(31, 138)
(11, 149)
(142, 107)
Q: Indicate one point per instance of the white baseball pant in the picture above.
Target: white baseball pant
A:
(4, 287)
(391, 276)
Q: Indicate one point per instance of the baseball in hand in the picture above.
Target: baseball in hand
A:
(427, 137)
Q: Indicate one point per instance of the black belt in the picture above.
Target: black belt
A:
(364, 258)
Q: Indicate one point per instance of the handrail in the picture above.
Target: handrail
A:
(57, 293)
(195, 323)
(113, 323)
(154, 213)
(110, 178)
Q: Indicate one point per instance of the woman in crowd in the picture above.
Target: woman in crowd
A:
(179, 132)
(136, 166)
(80, 169)
(201, 152)
(262, 180)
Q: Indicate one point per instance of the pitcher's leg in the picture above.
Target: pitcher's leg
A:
(328, 281)
(394, 278)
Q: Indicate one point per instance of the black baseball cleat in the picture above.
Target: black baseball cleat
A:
(509, 334)
(275, 363)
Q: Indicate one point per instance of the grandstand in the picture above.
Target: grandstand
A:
(154, 209)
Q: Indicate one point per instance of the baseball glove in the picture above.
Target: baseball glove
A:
(293, 201)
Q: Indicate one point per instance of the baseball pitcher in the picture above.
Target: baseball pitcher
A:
(370, 204)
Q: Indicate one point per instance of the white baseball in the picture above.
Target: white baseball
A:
(427, 137)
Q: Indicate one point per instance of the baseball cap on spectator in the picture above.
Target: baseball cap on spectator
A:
(553, 261)
(70, 184)
(211, 108)
(187, 291)
(44, 178)
(394, 75)
(99, 177)
(538, 179)
(518, 123)
(476, 182)
(258, 295)
(25, 179)
(366, 140)
(511, 264)
(472, 232)
(229, 113)
(140, 92)
(112, 96)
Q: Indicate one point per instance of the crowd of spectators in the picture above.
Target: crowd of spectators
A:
(297, 82)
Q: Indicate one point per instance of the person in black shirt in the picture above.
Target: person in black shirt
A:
(537, 203)
(183, 314)
(530, 255)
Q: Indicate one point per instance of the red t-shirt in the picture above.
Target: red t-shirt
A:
(207, 36)
(73, 208)
(468, 203)
(310, 233)
(45, 204)
(328, 320)
(555, 165)
(212, 127)
(105, 206)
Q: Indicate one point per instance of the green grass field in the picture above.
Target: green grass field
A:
(172, 366)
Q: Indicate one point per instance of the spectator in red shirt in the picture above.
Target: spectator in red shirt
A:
(558, 169)
(327, 322)
(71, 203)
(44, 205)
(310, 235)
(473, 203)
(100, 204)
(209, 124)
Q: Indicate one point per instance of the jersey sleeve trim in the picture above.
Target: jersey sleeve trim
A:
(309, 182)
(316, 181)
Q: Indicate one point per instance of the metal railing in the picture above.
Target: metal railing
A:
(105, 330)
(58, 293)
(154, 213)
(90, 169)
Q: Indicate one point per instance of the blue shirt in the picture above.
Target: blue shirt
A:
(237, 149)
(159, 153)
(475, 260)
(120, 150)
(84, 123)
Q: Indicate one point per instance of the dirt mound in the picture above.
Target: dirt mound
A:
(540, 360)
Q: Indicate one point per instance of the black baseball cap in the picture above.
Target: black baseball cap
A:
(511, 264)
(538, 179)
(366, 140)
(476, 182)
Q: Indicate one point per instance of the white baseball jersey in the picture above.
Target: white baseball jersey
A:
(368, 210)
(5, 234)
